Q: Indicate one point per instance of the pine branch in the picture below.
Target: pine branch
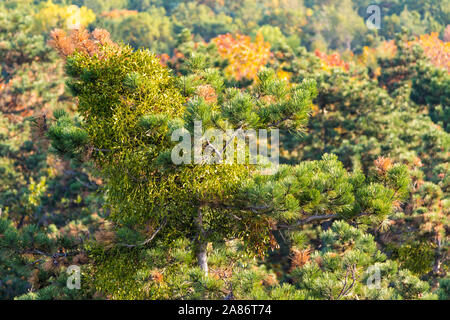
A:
(148, 240)
(277, 123)
(344, 291)
(320, 218)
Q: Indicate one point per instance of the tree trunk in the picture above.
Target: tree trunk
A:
(202, 244)
(438, 258)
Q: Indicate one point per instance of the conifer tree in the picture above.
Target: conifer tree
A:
(143, 226)
(129, 106)
(127, 135)
(431, 86)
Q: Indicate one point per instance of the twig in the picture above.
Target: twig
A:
(148, 240)
(344, 292)
(345, 284)
(324, 217)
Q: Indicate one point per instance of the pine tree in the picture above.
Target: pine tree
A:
(366, 189)
(349, 266)
(130, 105)
(431, 86)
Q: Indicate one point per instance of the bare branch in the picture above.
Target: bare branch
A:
(345, 285)
(353, 282)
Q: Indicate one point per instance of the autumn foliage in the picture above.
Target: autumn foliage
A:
(435, 49)
(245, 57)
(80, 40)
(332, 60)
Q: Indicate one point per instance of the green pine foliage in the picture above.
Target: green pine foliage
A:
(430, 86)
(341, 270)
(87, 179)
